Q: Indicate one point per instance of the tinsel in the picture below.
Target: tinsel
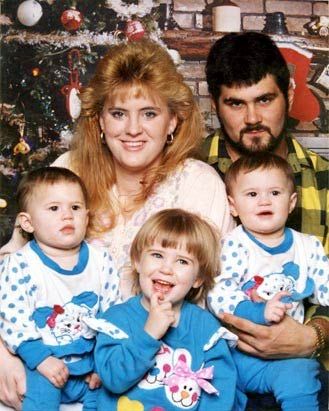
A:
(122, 9)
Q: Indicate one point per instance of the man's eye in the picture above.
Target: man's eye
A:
(235, 104)
(265, 100)
(53, 208)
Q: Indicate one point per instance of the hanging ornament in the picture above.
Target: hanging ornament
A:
(36, 72)
(29, 12)
(72, 19)
(22, 147)
(3, 203)
(71, 91)
(134, 30)
(122, 9)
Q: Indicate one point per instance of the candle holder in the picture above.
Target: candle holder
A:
(275, 23)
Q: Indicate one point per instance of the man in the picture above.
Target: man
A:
(249, 83)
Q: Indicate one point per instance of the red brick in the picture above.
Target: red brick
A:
(187, 5)
(193, 70)
(293, 8)
(198, 21)
(253, 23)
(193, 87)
(247, 6)
(204, 104)
(295, 24)
(184, 20)
(203, 88)
(320, 8)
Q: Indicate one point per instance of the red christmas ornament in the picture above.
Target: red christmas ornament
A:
(71, 90)
(71, 19)
(134, 30)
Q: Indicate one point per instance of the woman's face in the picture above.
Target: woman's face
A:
(136, 130)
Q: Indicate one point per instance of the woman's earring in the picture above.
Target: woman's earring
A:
(102, 136)
(170, 139)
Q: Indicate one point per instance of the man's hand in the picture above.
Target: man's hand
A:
(12, 379)
(93, 381)
(55, 370)
(286, 339)
(275, 309)
(161, 316)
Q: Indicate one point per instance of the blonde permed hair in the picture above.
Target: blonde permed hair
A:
(173, 228)
(146, 66)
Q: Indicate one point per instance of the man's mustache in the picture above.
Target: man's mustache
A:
(254, 127)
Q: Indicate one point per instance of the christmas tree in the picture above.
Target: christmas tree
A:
(48, 51)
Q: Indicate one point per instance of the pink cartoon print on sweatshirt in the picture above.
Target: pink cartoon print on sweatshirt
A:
(162, 368)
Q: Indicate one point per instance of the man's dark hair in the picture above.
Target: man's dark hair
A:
(243, 59)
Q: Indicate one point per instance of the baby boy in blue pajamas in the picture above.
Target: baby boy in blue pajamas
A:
(52, 290)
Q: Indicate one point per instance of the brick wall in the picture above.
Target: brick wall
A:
(191, 15)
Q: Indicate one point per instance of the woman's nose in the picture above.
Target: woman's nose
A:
(133, 125)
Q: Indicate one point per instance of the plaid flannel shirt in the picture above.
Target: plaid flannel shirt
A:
(311, 171)
(311, 215)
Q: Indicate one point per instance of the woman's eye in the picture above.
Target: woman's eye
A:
(150, 114)
(182, 261)
(117, 114)
(53, 208)
(252, 194)
(76, 207)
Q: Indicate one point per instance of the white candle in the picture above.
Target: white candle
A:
(226, 18)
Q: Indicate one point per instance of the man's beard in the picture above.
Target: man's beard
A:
(257, 146)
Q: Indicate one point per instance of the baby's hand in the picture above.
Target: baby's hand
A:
(275, 309)
(55, 370)
(93, 381)
(161, 316)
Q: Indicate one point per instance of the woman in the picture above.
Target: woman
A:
(136, 137)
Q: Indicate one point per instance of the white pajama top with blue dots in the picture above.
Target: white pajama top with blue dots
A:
(43, 307)
(298, 265)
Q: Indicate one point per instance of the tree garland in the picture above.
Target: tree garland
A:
(141, 9)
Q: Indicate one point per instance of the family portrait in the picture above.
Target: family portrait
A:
(164, 206)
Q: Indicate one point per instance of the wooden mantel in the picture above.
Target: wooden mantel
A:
(195, 44)
(191, 44)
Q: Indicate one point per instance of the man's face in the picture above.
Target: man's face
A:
(253, 117)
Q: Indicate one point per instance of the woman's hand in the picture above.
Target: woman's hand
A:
(12, 379)
(286, 339)
(16, 242)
